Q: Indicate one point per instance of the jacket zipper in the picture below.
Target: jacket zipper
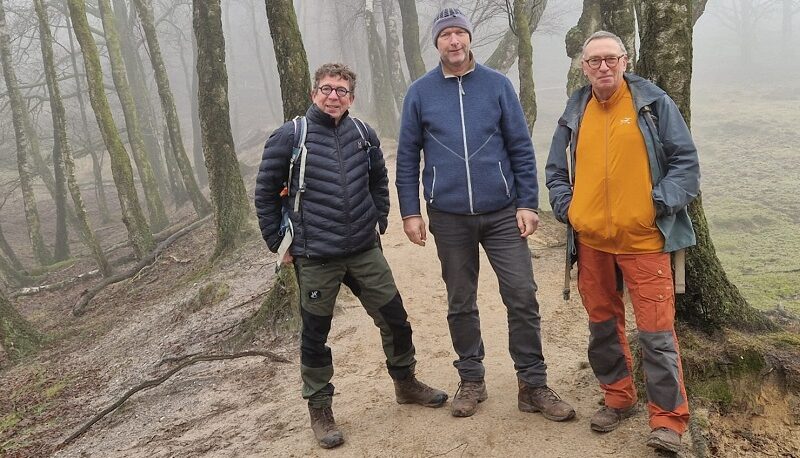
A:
(433, 184)
(461, 94)
(343, 180)
(505, 182)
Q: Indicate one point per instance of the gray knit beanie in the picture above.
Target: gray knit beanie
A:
(450, 17)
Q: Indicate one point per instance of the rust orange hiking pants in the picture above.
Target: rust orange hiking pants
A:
(649, 281)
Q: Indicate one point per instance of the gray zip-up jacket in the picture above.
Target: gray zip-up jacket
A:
(674, 166)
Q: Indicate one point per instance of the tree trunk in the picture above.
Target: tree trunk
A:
(97, 172)
(145, 10)
(141, 98)
(17, 336)
(291, 57)
(527, 95)
(179, 193)
(65, 166)
(197, 136)
(711, 300)
(138, 233)
(398, 80)
(408, 13)
(616, 16)
(506, 53)
(18, 114)
(9, 252)
(228, 194)
(382, 103)
(10, 275)
(155, 206)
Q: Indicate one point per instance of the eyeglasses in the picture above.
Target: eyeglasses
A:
(340, 91)
(611, 61)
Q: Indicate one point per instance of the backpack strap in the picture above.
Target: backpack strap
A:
(365, 145)
(299, 151)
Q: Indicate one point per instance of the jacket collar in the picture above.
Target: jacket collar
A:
(643, 92)
(317, 116)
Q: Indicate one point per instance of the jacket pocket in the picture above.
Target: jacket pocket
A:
(433, 184)
(505, 182)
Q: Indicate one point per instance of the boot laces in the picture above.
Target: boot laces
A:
(546, 393)
(468, 390)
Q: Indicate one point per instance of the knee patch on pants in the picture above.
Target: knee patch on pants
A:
(605, 352)
(396, 318)
(313, 351)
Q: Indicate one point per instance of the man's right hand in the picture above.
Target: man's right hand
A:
(414, 227)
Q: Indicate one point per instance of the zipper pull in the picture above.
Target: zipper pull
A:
(460, 87)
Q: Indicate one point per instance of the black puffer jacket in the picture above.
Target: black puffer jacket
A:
(346, 195)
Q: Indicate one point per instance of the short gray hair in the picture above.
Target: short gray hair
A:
(603, 34)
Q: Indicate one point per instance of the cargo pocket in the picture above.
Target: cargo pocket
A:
(655, 294)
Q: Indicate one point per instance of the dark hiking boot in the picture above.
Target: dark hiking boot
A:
(467, 397)
(412, 391)
(324, 426)
(607, 418)
(664, 439)
(545, 400)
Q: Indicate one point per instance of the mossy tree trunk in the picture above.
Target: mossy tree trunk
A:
(408, 14)
(616, 16)
(10, 275)
(382, 101)
(197, 136)
(17, 336)
(506, 53)
(397, 78)
(136, 78)
(155, 206)
(144, 8)
(291, 55)
(527, 95)
(173, 173)
(97, 172)
(711, 300)
(9, 252)
(231, 209)
(18, 114)
(138, 232)
(67, 166)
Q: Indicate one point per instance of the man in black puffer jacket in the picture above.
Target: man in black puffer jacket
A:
(343, 203)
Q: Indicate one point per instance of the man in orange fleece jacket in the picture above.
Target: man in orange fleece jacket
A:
(635, 170)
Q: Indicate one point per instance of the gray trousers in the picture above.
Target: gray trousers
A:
(457, 238)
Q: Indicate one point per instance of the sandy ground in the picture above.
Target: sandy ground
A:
(252, 407)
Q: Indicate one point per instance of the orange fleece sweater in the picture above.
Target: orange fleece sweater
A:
(612, 206)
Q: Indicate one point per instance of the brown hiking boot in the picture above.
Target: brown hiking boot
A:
(412, 391)
(324, 426)
(467, 397)
(545, 400)
(664, 439)
(607, 418)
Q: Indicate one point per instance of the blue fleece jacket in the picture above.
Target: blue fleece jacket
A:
(478, 155)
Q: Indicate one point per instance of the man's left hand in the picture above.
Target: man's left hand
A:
(527, 222)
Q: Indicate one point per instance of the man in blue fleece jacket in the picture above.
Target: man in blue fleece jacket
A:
(480, 188)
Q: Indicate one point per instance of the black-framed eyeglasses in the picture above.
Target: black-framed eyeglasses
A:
(611, 61)
(340, 91)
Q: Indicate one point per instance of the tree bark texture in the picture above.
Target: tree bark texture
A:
(291, 57)
(527, 94)
(9, 252)
(17, 336)
(141, 98)
(18, 114)
(144, 8)
(197, 136)
(616, 16)
(711, 300)
(138, 232)
(97, 173)
(506, 52)
(408, 14)
(393, 59)
(383, 104)
(65, 166)
(228, 195)
(155, 206)
(179, 194)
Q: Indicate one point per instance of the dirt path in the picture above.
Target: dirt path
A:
(248, 407)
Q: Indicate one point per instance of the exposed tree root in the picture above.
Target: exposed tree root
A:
(157, 381)
(80, 307)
